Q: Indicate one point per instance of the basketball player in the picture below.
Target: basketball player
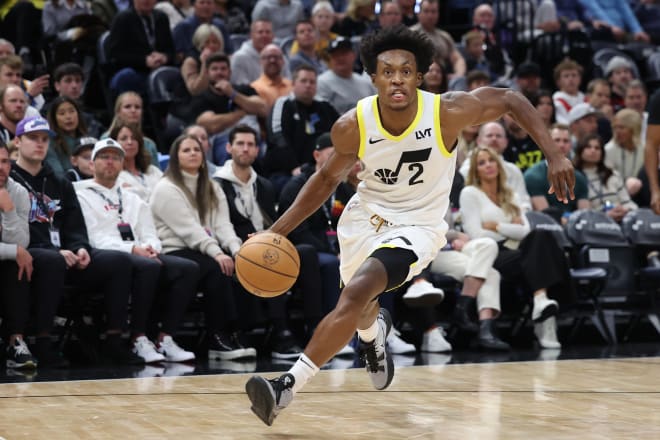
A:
(393, 227)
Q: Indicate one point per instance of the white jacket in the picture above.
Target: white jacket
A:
(179, 226)
(102, 218)
(143, 184)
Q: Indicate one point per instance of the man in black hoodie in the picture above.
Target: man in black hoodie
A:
(60, 249)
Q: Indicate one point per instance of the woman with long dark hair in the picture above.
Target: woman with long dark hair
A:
(64, 117)
(607, 190)
(192, 218)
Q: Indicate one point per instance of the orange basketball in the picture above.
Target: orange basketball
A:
(267, 264)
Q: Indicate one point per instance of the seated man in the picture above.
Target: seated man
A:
(69, 80)
(245, 191)
(293, 126)
(120, 221)
(246, 58)
(339, 85)
(61, 251)
(537, 184)
(15, 264)
(11, 72)
(13, 106)
(223, 105)
(271, 84)
(307, 40)
(568, 75)
(140, 41)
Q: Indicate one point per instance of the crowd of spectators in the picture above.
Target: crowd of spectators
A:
(93, 201)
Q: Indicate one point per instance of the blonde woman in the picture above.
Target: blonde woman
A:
(624, 153)
(128, 108)
(489, 208)
(207, 39)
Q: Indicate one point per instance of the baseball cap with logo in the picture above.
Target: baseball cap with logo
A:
(106, 144)
(33, 124)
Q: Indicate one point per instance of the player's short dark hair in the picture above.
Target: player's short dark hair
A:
(242, 128)
(68, 69)
(397, 37)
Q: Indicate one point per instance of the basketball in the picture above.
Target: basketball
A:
(267, 264)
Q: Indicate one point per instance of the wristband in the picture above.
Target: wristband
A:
(233, 95)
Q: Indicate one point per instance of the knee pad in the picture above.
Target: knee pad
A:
(397, 264)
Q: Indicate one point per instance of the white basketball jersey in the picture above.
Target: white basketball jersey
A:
(406, 179)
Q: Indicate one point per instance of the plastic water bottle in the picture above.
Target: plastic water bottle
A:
(607, 206)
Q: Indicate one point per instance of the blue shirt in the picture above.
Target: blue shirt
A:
(614, 12)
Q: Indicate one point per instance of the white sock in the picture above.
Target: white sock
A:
(369, 334)
(303, 370)
(541, 296)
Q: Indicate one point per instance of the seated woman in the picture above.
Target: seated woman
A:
(607, 191)
(64, 119)
(139, 175)
(128, 108)
(625, 151)
(542, 101)
(206, 40)
(192, 219)
(489, 208)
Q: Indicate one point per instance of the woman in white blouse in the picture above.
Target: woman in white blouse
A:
(139, 175)
(607, 190)
(489, 208)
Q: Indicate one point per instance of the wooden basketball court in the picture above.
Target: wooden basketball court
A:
(614, 398)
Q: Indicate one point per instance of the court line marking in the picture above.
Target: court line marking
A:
(46, 396)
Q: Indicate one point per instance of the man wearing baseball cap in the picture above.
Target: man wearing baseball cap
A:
(121, 221)
(582, 120)
(340, 85)
(61, 251)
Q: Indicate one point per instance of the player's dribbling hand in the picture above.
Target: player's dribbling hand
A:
(561, 176)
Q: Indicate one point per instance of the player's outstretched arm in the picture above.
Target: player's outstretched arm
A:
(486, 104)
(346, 140)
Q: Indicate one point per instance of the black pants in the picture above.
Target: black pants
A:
(310, 283)
(109, 273)
(219, 302)
(175, 283)
(15, 297)
(539, 263)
